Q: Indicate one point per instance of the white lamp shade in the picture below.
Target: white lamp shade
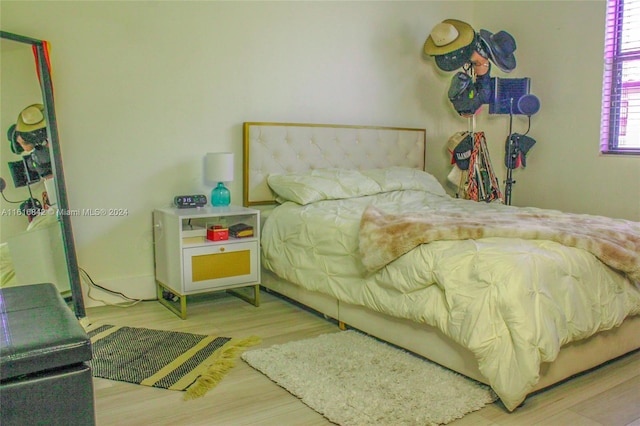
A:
(218, 167)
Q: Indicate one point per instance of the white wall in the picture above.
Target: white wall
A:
(145, 89)
(560, 46)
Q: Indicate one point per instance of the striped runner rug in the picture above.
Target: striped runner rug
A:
(164, 359)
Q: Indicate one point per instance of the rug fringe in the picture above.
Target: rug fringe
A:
(215, 372)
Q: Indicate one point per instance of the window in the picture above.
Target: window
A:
(620, 129)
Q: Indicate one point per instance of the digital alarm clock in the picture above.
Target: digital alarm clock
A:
(190, 201)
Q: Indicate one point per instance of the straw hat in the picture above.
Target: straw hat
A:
(31, 118)
(447, 36)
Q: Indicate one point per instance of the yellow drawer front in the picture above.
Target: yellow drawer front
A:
(220, 265)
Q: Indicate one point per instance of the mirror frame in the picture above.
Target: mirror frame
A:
(46, 86)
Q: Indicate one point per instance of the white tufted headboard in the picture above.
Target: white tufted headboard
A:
(287, 147)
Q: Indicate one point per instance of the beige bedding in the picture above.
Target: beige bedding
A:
(513, 302)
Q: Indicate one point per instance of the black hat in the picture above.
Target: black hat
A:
(516, 148)
(460, 145)
(16, 148)
(500, 47)
(465, 95)
(462, 152)
(41, 160)
(453, 60)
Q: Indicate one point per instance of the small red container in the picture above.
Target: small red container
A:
(215, 233)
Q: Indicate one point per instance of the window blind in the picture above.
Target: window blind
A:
(620, 127)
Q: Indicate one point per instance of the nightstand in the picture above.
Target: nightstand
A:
(187, 263)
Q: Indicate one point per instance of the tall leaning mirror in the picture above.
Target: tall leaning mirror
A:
(36, 237)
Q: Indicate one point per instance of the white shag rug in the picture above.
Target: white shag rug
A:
(353, 379)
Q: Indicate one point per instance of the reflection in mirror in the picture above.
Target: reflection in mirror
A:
(36, 237)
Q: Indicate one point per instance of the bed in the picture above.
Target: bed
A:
(348, 231)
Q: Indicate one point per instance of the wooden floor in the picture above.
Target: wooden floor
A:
(609, 395)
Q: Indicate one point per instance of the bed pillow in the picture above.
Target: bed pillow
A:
(404, 178)
(322, 184)
(335, 184)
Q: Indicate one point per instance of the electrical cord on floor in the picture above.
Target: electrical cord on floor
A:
(91, 284)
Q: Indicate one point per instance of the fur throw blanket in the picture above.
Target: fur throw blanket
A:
(385, 237)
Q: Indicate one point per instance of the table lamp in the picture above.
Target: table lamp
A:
(219, 168)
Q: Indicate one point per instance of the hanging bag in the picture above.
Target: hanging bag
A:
(483, 183)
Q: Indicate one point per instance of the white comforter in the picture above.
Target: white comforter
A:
(512, 302)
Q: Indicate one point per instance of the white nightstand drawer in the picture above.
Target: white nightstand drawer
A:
(187, 263)
(220, 265)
